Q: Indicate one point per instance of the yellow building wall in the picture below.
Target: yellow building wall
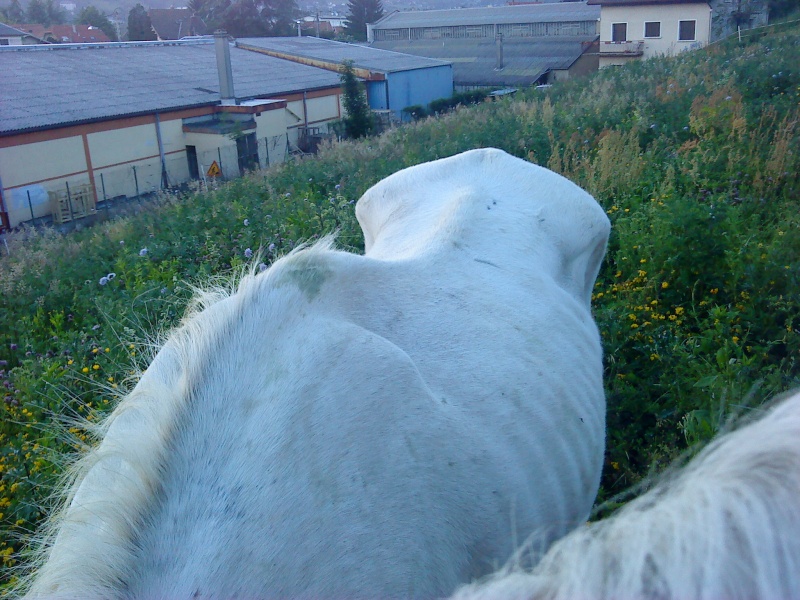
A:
(39, 161)
(214, 148)
(172, 137)
(271, 134)
(30, 171)
(669, 15)
(125, 160)
(324, 108)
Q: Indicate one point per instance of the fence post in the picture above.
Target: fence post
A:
(219, 156)
(105, 198)
(30, 205)
(136, 183)
(266, 145)
(69, 202)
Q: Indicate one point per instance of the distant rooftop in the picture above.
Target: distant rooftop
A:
(474, 60)
(642, 2)
(334, 53)
(8, 31)
(64, 33)
(526, 13)
(103, 81)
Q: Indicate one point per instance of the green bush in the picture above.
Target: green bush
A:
(415, 112)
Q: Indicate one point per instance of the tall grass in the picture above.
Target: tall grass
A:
(694, 158)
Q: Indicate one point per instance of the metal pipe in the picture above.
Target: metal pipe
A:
(164, 180)
(30, 205)
(5, 222)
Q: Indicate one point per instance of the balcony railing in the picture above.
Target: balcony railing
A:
(635, 48)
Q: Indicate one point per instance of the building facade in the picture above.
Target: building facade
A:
(132, 118)
(641, 29)
(503, 46)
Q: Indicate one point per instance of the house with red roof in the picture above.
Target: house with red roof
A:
(64, 34)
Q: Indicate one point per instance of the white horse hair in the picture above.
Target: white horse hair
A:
(727, 527)
(350, 426)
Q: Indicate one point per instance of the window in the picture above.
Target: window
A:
(652, 29)
(686, 31)
(619, 32)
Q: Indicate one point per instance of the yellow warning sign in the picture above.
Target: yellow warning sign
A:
(213, 170)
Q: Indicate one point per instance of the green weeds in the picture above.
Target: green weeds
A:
(694, 158)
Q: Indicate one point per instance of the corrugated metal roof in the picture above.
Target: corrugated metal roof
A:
(46, 86)
(364, 57)
(525, 59)
(526, 13)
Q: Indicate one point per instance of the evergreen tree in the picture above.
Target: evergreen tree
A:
(14, 12)
(139, 26)
(360, 13)
(37, 13)
(358, 121)
(280, 15)
(211, 12)
(244, 19)
(55, 14)
(781, 8)
(92, 16)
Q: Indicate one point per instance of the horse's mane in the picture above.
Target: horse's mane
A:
(725, 526)
(108, 488)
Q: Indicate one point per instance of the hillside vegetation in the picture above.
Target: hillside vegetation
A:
(694, 158)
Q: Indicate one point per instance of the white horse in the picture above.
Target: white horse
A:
(725, 528)
(344, 426)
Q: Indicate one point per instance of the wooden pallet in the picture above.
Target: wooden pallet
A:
(76, 204)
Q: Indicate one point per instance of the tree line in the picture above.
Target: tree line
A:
(49, 12)
(240, 18)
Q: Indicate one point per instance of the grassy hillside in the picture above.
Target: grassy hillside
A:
(695, 159)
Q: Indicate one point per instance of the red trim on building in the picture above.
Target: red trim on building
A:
(88, 157)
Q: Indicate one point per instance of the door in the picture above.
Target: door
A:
(191, 157)
(247, 149)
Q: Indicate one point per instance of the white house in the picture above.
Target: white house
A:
(640, 29)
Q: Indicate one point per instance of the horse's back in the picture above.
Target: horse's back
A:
(381, 425)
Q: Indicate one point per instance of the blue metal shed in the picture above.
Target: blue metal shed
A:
(394, 80)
